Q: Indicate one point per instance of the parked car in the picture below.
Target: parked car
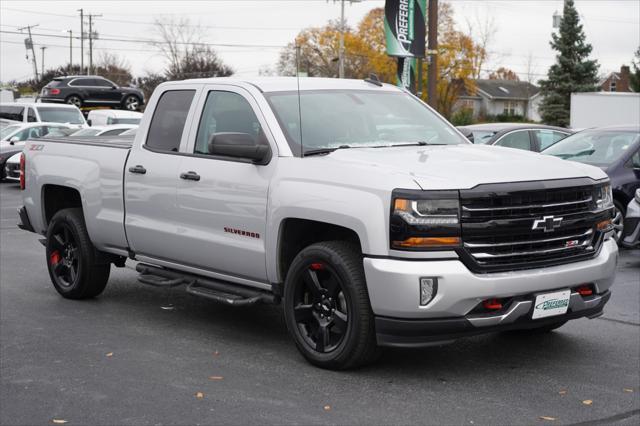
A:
(376, 223)
(526, 136)
(91, 90)
(631, 235)
(36, 112)
(616, 150)
(105, 117)
(12, 138)
(113, 130)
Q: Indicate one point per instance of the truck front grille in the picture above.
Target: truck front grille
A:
(529, 225)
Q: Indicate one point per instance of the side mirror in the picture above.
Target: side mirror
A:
(89, 122)
(239, 145)
(14, 139)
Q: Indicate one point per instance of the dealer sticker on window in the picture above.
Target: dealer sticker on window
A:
(551, 304)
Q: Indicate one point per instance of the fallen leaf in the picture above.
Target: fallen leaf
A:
(109, 355)
(587, 402)
(551, 419)
(627, 390)
(563, 392)
(216, 377)
(327, 408)
(199, 395)
(59, 421)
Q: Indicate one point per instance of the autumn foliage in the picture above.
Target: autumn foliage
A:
(365, 53)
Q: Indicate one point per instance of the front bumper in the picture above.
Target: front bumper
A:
(394, 291)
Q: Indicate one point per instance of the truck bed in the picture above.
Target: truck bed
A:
(93, 166)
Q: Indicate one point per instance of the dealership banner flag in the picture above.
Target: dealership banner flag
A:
(404, 27)
(406, 73)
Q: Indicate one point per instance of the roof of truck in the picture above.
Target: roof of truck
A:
(285, 84)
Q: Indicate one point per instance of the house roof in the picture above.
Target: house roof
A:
(506, 89)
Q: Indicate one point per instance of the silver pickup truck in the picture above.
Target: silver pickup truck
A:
(372, 219)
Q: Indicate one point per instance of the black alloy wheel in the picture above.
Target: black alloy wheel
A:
(321, 307)
(64, 257)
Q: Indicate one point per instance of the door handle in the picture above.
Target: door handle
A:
(190, 176)
(138, 170)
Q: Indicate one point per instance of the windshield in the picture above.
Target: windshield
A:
(86, 132)
(6, 131)
(357, 118)
(61, 115)
(596, 147)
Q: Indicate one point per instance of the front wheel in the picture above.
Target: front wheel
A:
(618, 220)
(71, 257)
(326, 306)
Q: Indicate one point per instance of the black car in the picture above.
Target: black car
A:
(530, 137)
(616, 150)
(91, 90)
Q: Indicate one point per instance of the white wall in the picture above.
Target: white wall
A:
(597, 109)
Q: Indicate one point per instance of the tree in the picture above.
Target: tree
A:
(573, 71)
(114, 68)
(149, 82)
(635, 74)
(503, 73)
(186, 54)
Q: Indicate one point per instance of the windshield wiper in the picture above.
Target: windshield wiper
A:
(322, 151)
(577, 154)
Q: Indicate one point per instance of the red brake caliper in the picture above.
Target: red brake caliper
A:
(317, 266)
(54, 258)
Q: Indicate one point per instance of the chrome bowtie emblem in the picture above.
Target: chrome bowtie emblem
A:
(547, 223)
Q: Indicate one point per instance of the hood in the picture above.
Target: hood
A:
(460, 166)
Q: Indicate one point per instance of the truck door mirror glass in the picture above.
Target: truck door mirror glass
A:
(238, 145)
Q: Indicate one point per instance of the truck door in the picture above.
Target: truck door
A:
(222, 201)
(151, 175)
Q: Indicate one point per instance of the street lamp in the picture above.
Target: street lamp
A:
(70, 49)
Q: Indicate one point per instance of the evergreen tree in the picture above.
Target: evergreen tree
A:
(635, 73)
(573, 71)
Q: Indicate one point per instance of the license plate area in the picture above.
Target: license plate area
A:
(551, 304)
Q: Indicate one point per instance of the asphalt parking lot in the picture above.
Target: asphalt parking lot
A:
(145, 356)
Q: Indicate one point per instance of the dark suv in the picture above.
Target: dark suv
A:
(91, 90)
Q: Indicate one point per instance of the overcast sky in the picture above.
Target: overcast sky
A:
(253, 30)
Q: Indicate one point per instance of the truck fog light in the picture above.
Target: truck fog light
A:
(428, 288)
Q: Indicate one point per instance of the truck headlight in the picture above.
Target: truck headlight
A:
(604, 197)
(423, 220)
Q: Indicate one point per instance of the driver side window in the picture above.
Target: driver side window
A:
(226, 112)
(635, 160)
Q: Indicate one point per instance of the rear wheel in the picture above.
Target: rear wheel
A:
(74, 100)
(327, 307)
(131, 103)
(71, 257)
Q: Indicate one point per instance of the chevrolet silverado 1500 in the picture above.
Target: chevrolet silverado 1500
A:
(372, 219)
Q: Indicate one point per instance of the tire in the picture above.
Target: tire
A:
(131, 103)
(74, 100)
(329, 317)
(71, 257)
(618, 220)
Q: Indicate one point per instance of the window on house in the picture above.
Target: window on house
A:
(468, 104)
(509, 108)
(612, 86)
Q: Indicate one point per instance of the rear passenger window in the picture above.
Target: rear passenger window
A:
(518, 140)
(169, 119)
(14, 113)
(81, 82)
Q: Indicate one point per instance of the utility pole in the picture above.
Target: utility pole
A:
(81, 40)
(341, 48)
(432, 71)
(28, 43)
(43, 49)
(91, 37)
